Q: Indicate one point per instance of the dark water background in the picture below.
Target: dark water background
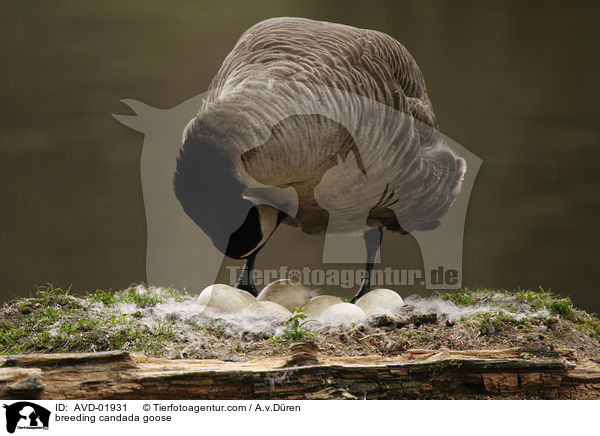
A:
(515, 82)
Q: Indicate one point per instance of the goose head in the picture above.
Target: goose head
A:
(206, 186)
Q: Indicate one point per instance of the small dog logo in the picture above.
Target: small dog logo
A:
(26, 415)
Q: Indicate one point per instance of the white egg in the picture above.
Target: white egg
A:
(246, 296)
(285, 292)
(380, 302)
(317, 305)
(270, 309)
(343, 313)
(224, 298)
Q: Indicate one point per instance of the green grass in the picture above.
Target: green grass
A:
(295, 329)
(513, 301)
(147, 297)
(460, 297)
(51, 296)
(589, 324)
(497, 320)
(106, 298)
(541, 299)
(54, 321)
(556, 304)
(137, 296)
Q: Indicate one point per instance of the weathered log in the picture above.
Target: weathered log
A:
(415, 374)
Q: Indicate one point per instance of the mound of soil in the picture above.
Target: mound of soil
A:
(165, 323)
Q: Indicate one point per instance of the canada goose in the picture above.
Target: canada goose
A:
(225, 145)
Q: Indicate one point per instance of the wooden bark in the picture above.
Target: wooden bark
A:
(416, 374)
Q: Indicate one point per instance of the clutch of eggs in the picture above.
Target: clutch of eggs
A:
(279, 299)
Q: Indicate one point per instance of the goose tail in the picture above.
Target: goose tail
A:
(442, 183)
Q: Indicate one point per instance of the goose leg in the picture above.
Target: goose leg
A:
(246, 281)
(372, 241)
